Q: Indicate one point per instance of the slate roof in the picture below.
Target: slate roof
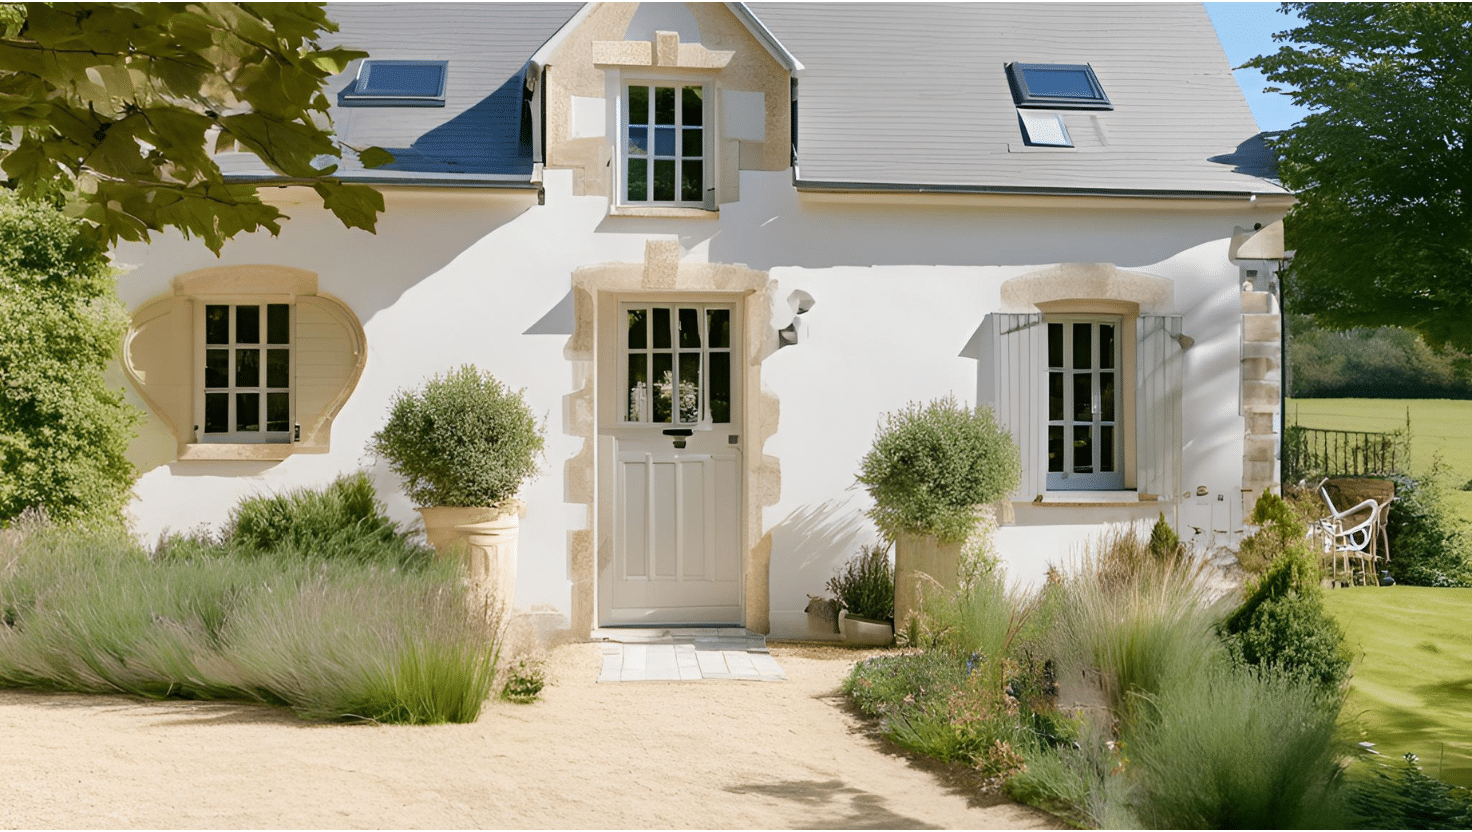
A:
(891, 96)
(475, 137)
(916, 94)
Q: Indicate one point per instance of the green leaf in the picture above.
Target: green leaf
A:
(374, 157)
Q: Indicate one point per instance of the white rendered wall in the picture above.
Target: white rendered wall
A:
(464, 277)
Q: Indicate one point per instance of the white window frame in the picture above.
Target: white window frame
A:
(708, 127)
(705, 350)
(201, 348)
(1096, 480)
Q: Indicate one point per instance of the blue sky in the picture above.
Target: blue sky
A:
(1246, 30)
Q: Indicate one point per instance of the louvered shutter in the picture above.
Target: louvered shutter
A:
(1159, 373)
(1011, 380)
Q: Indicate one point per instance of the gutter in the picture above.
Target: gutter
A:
(1024, 190)
(415, 182)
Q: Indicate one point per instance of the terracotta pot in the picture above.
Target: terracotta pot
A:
(865, 631)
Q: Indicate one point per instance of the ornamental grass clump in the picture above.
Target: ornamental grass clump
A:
(332, 637)
(932, 465)
(865, 584)
(463, 439)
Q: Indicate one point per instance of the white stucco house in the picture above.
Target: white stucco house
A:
(714, 242)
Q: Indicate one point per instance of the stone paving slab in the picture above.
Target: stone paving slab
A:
(685, 654)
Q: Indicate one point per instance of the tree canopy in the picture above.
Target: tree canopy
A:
(118, 106)
(63, 432)
(1381, 165)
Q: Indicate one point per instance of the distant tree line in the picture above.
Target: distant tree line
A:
(1371, 363)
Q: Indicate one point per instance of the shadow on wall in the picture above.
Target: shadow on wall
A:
(813, 541)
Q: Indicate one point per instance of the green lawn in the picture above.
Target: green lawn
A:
(1439, 428)
(1412, 686)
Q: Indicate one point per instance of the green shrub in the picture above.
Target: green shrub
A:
(345, 520)
(1279, 527)
(1282, 624)
(885, 684)
(525, 680)
(865, 584)
(342, 639)
(932, 465)
(1429, 545)
(63, 432)
(464, 439)
(1164, 543)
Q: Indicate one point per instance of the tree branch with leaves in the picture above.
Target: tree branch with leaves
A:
(1381, 165)
(116, 109)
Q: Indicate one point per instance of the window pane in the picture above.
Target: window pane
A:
(1055, 449)
(278, 412)
(247, 368)
(638, 105)
(661, 327)
(1055, 396)
(720, 387)
(638, 324)
(1082, 359)
(718, 322)
(216, 368)
(664, 141)
(1106, 346)
(247, 324)
(663, 381)
(664, 180)
(1106, 397)
(1106, 449)
(692, 181)
(1069, 83)
(689, 328)
(1083, 450)
(693, 106)
(216, 412)
(692, 143)
(638, 180)
(278, 323)
(638, 141)
(278, 368)
(1055, 345)
(664, 105)
(690, 386)
(1083, 400)
(216, 324)
(638, 387)
(247, 411)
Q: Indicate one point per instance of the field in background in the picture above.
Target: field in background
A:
(1439, 428)
(1413, 672)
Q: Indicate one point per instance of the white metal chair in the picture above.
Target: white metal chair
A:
(1355, 542)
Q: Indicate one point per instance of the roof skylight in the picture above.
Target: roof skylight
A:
(1046, 129)
(1059, 86)
(382, 83)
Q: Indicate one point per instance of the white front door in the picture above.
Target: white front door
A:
(676, 467)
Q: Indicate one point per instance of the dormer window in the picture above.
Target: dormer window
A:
(397, 84)
(664, 148)
(1057, 86)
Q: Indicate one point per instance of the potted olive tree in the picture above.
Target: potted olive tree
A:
(931, 469)
(465, 444)
(864, 591)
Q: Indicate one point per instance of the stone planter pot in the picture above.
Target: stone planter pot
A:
(865, 631)
(922, 564)
(484, 540)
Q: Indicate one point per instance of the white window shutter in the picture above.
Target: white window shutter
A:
(1159, 374)
(1011, 379)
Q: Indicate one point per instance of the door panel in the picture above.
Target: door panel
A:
(676, 455)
